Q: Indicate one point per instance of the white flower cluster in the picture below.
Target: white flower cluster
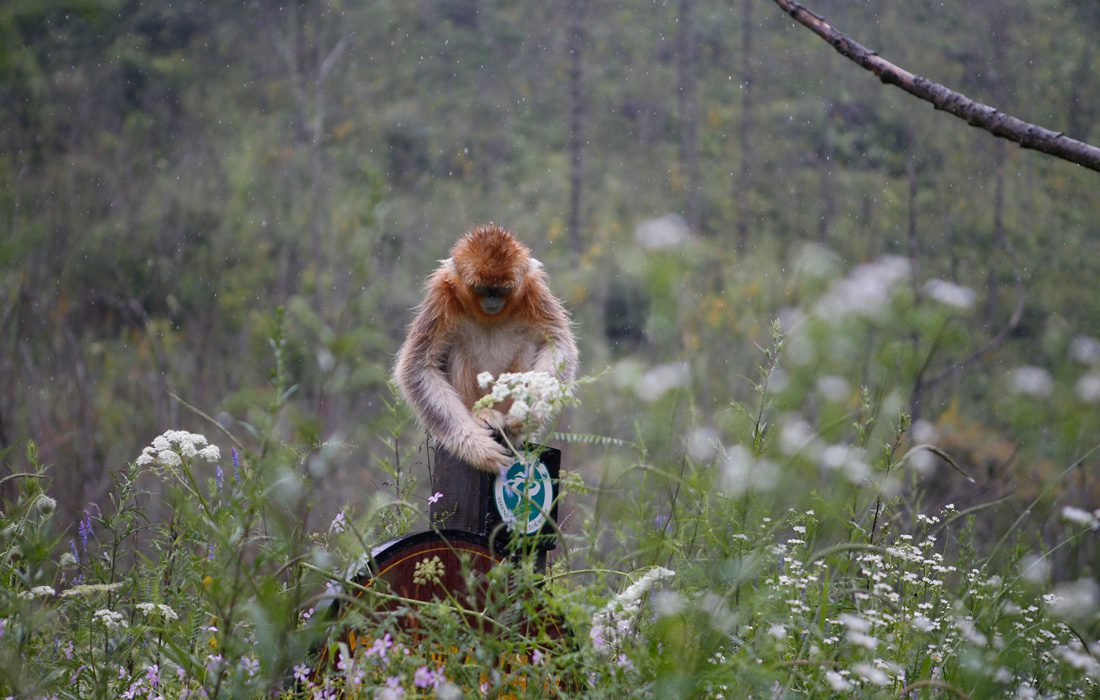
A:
(157, 610)
(38, 592)
(1031, 381)
(87, 590)
(534, 395)
(612, 623)
(1079, 516)
(950, 294)
(110, 619)
(866, 291)
(661, 379)
(174, 446)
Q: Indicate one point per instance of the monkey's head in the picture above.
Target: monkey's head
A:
(491, 266)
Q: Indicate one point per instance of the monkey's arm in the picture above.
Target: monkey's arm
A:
(419, 374)
(557, 349)
(557, 354)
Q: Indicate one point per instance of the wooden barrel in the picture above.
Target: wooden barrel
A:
(426, 566)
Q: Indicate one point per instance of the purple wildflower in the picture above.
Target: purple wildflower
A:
(152, 674)
(210, 551)
(72, 546)
(435, 497)
(381, 646)
(236, 466)
(85, 529)
(219, 477)
(250, 665)
(424, 677)
(345, 663)
(301, 673)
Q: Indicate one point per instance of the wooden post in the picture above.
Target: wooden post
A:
(467, 495)
(468, 501)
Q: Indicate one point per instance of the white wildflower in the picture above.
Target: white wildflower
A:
(1088, 387)
(612, 623)
(833, 388)
(722, 618)
(484, 380)
(741, 472)
(661, 379)
(1085, 349)
(778, 631)
(950, 294)
(668, 231)
(1079, 660)
(854, 622)
(817, 262)
(923, 624)
(702, 444)
(849, 460)
(796, 436)
(541, 411)
(1076, 600)
(1078, 516)
(210, 453)
(971, 632)
(862, 640)
(500, 392)
(519, 410)
(38, 592)
(535, 395)
(169, 449)
(1034, 569)
(837, 682)
(110, 619)
(157, 610)
(88, 590)
(667, 603)
(1031, 381)
(834, 456)
(869, 673)
(866, 291)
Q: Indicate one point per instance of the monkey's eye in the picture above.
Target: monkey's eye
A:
(491, 291)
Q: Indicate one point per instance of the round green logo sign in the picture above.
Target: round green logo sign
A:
(524, 494)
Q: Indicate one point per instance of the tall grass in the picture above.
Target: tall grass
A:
(778, 547)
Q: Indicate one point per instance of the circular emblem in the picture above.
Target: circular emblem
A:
(524, 494)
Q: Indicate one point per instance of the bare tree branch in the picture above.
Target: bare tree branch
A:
(974, 113)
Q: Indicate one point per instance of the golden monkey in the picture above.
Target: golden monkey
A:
(487, 308)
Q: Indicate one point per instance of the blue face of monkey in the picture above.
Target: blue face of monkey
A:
(491, 299)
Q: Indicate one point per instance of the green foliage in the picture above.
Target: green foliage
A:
(789, 550)
(171, 172)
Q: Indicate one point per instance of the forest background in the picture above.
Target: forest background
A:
(173, 173)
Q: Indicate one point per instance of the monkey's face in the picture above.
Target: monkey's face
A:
(492, 300)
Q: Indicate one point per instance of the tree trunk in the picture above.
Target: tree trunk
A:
(688, 110)
(576, 122)
(744, 131)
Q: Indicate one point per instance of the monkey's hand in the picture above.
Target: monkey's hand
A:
(499, 421)
(481, 451)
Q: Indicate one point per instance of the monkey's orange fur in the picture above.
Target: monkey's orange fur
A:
(452, 340)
